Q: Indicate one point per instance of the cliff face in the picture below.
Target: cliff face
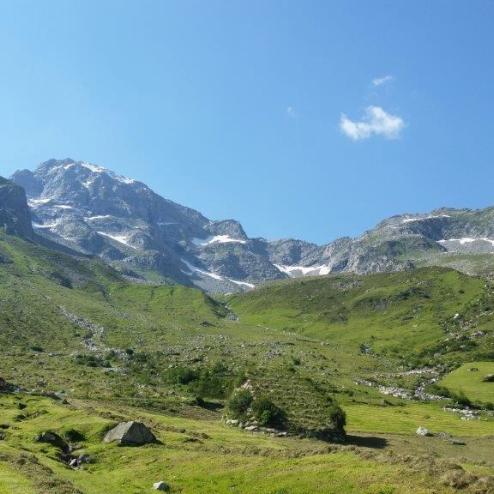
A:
(15, 216)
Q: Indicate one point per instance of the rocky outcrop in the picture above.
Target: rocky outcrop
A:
(15, 217)
(94, 211)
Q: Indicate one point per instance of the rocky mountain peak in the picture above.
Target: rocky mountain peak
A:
(91, 209)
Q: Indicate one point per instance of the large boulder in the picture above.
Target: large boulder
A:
(130, 434)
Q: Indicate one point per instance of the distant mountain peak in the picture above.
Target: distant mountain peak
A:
(94, 210)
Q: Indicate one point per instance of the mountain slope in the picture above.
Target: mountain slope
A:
(434, 314)
(106, 350)
(93, 210)
(96, 212)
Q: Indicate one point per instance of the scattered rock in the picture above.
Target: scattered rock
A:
(161, 486)
(458, 442)
(465, 413)
(422, 431)
(77, 462)
(130, 434)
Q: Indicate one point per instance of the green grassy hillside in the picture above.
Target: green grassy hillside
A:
(471, 380)
(172, 356)
(198, 456)
(406, 313)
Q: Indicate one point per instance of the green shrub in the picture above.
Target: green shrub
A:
(462, 399)
(182, 375)
(268, 414)
(92, 361)
(74, 435)
(337, 417)
(239, 403)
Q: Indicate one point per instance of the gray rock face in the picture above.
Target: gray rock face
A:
(130, 434)
(15, 217)
(92, 210)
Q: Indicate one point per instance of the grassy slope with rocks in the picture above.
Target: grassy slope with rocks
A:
(172, 356)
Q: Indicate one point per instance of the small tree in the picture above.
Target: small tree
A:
(268, 414)
(337, 417)
(239, 403)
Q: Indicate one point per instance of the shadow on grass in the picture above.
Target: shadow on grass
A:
(367, 441)
(211, 405)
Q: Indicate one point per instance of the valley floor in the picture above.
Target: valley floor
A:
(203, 455)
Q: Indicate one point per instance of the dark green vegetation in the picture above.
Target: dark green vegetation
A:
(424, 317)
(307, 352)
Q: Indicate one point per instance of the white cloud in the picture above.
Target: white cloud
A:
(291, 112)
(375, 122)
(379, 81)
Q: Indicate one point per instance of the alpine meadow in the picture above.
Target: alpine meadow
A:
(149, 344)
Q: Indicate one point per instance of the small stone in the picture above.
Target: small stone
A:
(422, 431)
(161, 486)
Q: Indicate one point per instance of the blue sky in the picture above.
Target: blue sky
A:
(308, 119)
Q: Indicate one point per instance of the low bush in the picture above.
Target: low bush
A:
(239, 403)
(337, 417)
(268, 414)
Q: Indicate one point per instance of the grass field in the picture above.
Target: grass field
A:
(196, 456)
(468, 379)
(171, 356)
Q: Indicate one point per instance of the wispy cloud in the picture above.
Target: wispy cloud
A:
(291, 112)
(374, 122)
(379, 81)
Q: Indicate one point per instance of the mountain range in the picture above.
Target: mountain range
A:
(93, 211)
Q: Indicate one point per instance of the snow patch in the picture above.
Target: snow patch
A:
(54, 224)
(99, 170)
(34, 203)
(466, 240)
(292, 271)
(97, 217)
(420, 218)
(193, 269)
(94, 168)
(217, 239)
(122, 239)
(242, 283)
